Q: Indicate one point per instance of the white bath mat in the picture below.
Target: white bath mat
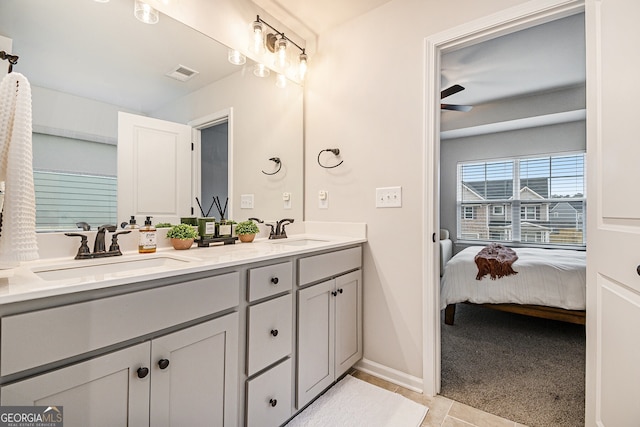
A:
(352, 402)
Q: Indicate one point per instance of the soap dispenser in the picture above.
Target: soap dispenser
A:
(132, 222)
(147, 242)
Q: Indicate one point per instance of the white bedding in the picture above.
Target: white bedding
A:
(549, 277)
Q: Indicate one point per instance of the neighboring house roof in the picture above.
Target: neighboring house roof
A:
(528, 194)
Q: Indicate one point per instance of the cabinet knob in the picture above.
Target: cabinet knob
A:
(334, 293)
(163, 363)
(274, 332)
(142, 372)
(273, 402)
(340, 290)
(274, 280)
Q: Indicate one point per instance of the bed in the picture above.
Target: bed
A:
(551, 283)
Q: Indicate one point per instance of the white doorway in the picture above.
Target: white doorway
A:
(511, 20)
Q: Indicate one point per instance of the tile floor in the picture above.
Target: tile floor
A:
(442, 412)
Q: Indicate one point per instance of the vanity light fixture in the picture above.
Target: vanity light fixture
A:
(261, 70)
(145, 13)
(236, 58)
(281, 81)
(276, 42)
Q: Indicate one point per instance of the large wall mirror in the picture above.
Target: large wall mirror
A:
(88, 60)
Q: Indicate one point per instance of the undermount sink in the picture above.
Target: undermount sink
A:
(298, 242)
(107, 267)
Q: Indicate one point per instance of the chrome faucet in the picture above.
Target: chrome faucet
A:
(279, 231)
(99, 247)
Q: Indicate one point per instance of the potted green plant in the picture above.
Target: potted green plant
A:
(182, 236)
(246, 231)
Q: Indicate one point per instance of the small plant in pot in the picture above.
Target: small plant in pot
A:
(182, 236)
(246, 231)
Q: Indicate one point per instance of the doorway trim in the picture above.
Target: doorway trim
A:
(529, 14)
(197, 126)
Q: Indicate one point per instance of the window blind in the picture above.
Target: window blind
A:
(63, 199)
(534, 200)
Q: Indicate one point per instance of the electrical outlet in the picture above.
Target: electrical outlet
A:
(323, 199)
(389, 197)
(286, 200)
(246, 201)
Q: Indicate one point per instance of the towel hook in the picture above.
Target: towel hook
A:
(335, 151)
(278, 163)
(13, 59)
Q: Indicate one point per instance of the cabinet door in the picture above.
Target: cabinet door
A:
(316, 335)
(104, 391)
(348, 321)
(194, 375)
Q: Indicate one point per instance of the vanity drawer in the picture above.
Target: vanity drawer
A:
(269, 280)
(269, 328)
(32, 339)
(269, 397)
(314, 268)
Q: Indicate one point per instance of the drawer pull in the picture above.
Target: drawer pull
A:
(274, 280)
(274, 332)
(273, 402)
(163, 363)
(142, 372)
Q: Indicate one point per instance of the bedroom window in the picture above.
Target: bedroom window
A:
(536, 200)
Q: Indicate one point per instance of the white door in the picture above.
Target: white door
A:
(102, 392)
(613, 150)
(154, 169)
(194, 375)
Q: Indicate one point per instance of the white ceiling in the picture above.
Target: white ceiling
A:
(542, 58)
(101, 51)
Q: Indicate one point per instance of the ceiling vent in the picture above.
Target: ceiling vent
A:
(182, 73)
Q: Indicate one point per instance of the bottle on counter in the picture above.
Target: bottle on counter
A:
(147, 242)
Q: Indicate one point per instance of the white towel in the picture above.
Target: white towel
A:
(18, 235)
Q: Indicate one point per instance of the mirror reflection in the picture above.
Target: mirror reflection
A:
(87, 61)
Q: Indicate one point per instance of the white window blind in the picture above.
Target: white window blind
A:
(63, 199)
(540, 200)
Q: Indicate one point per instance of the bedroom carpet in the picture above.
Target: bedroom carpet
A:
(521, 368)
(356, 403)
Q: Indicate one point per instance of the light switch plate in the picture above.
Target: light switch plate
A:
(323, 199)
(246, 201)
(389, 197)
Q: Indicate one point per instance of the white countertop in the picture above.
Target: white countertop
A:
(25, 283)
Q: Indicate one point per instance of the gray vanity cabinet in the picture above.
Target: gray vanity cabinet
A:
(183, 382)
(329, 320)
(104, 391)
(269, 395)
(165, 356)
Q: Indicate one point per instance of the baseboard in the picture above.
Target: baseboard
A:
(389, 374)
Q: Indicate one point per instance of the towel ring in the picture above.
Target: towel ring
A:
(335, 151)
(278, 163)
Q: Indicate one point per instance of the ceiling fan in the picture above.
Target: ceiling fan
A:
(452, 107)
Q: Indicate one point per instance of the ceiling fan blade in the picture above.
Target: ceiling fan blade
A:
(450, 91)
(451, 107)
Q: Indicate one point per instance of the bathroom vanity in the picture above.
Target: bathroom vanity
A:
(246, 334)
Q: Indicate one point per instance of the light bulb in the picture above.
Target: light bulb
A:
(281, 81)
(236, 57)
(302, 68)
(145, 13)
(257, 45)
(281, 52)
(260, 70)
